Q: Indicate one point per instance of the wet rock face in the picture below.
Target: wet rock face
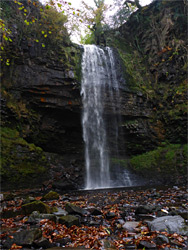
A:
(54, 94)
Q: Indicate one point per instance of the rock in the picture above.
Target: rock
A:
(110, 215)
(161, 213)
(35, 217)
(23, 238)
(63, 186)
(28, 200)
(130, 226)
(144, 210)
(182, 212)
(43, 243)
(107, 244)
(11, 213)
(146, 245)
(51, 196)
(147, 217)
(72, 209)
(63, 241)
(169, 224)
(60, 212)
(36, 206)
(69, 220)
(94, 211)
(161, 239)
(66, 248)
(1, 197)
(94, 223)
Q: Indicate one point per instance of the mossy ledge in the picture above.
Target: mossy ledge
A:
(167, 161)
(22, 164)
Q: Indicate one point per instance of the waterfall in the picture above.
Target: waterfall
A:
(99, 85)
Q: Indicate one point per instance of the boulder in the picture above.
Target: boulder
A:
(72, 209)
(35, 217)
(161, 239)
(29, 199)
(23, 238)
(130, 226)
(51, 196)
(60, 212)
(94, 211)
(146, 245)
(110, 215)
(11, 213)
(43, 243)
(36, 206)
(144, 209)
(169, 224)
(69, 220)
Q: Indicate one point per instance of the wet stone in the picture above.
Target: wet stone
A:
(110, 215)
(147, 245)
(144, 210)
(94, 211)
(43, 243)
(72, 209)
(170, 224)
(161, 239)
(69, 220)
(130, 226)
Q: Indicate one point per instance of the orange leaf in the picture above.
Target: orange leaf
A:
(14, 246)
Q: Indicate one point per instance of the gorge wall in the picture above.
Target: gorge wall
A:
(41, 103)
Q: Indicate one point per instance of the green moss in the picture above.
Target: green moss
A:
(36, 206)
(121, 162)
(51, 196)
(20, 160)
(136, 72)
(167, 159)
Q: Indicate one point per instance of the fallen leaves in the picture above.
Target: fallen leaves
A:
(14, 246)
(120, 206)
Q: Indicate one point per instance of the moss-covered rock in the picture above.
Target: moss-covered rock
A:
(22, 163)
(167, 160)
(36, 206)
(69, 220)
(24, 238)
(51, 196)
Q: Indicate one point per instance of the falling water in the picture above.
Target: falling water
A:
(99, 83)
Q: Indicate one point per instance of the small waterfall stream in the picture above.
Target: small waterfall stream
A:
(100, 84)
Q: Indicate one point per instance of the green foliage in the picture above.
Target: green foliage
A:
(166, 159)
(123, 12)
(94, 19)
(89, 38)
(31, 22)
(137, 74)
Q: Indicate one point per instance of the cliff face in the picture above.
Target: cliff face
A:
(153, 47)
(41, 92)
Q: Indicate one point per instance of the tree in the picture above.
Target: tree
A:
(95, 19)
(124, 10)
(133, 2)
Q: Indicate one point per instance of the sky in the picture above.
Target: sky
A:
(77, 3)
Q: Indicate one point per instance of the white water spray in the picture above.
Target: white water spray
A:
(99, 83)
